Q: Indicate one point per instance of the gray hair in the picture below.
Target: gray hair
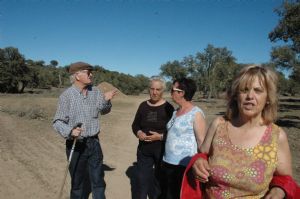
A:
(72, 78)
(158, 79)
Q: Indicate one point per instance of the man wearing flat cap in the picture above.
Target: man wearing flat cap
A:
(77, 120)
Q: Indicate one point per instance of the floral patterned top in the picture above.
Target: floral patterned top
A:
(181, 142)
(241, 172)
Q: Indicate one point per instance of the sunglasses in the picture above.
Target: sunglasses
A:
(176, 89)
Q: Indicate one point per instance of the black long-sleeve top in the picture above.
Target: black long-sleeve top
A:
(152, 118)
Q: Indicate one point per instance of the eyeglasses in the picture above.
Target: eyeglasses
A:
(88, 72)
(176, 89)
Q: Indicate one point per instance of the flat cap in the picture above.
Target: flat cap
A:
(78, 66)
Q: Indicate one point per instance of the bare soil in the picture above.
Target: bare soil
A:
(32, 154)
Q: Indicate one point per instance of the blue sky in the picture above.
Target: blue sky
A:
(136, 36)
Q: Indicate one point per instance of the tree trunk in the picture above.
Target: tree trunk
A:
(21, 86)
(59, 79)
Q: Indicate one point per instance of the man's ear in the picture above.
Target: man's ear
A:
(76, 77)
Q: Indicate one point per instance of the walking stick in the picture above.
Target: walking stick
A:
(69, 161)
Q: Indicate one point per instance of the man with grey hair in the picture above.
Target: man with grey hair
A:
(77, 118)
(149, 126)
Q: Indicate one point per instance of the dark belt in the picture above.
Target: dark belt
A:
(81, 143)
(84, 139)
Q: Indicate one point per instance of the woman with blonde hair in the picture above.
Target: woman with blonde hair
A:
(244, 149)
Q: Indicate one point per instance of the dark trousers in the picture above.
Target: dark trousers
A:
(171, 180)
(148, 171)
(86, 169)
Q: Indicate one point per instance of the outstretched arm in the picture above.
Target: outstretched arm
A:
(105, 101)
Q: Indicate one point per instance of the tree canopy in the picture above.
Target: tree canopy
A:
(288, 27)
(16, 73)
(13, 71)
(287, 57)
(211, 69)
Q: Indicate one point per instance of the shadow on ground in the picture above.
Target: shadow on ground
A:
(107, 168)
(288, 123)
(131, 174)
(290, 100)
(288, 107)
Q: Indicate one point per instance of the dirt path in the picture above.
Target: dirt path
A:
(33, 162)
(119, 148)
(30, 159)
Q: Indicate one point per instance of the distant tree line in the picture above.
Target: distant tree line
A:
(17, 73)
(212, 69)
